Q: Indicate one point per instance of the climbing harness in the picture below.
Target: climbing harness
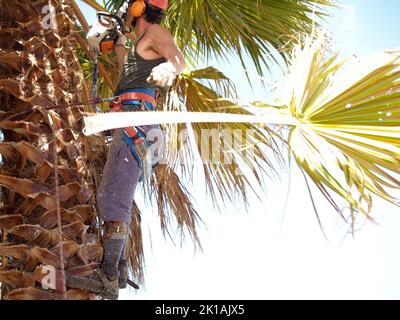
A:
(135, 100)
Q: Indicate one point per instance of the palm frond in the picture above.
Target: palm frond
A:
(348, 137)
(255, 28)
(242, 152)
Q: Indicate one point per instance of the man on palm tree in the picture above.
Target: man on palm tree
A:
(152, 63)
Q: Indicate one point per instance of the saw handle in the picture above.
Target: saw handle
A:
(111, 17)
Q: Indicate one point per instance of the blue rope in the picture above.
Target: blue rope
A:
(95, 80)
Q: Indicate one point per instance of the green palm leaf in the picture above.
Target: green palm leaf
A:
(348, 139)
(252, 27)
(249, 146)
(257, 28)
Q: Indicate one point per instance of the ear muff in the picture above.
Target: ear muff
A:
(137, 8)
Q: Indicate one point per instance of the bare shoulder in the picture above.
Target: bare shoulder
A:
(159, 32)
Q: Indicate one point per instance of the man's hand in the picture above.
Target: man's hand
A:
(163, 75)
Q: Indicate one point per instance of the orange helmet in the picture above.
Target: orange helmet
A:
(138, 7)
(162, 4)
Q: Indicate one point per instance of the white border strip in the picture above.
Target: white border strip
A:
(98, 122)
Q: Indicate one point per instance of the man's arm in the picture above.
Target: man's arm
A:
(163, 43)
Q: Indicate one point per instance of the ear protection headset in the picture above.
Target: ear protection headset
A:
(137, 8)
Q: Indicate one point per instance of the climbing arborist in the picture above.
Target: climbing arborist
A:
(151, 64)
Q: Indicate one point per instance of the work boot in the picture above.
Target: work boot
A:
(123, 280)
(113, 273)
(123, 274)
(96, 283)
(105, 281)
(114, 239)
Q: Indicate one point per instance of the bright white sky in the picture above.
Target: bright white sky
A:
(273, 253)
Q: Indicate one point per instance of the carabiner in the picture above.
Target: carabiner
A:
(117, 100)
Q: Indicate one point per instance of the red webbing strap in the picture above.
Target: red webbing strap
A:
(130, 131)
(137, 96)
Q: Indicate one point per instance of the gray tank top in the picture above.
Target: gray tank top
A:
(137, 70)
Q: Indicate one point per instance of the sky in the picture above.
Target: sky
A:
(276, 250)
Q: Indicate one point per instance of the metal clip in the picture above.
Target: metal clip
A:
(143, 105)
(117, 100)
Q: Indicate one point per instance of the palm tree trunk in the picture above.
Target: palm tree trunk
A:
(38, 71)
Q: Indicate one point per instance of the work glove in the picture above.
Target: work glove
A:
(121, 41)
(162, 76)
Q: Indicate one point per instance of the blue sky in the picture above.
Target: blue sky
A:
(272, 253)
(376, 25)
(362, 27)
